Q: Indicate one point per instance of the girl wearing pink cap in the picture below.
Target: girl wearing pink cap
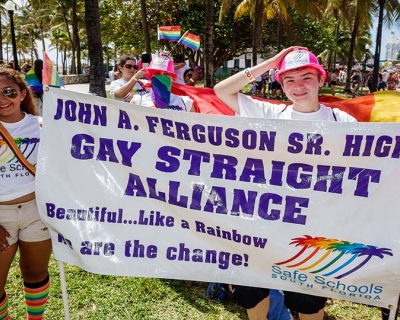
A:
(161, 73)
(301, 77)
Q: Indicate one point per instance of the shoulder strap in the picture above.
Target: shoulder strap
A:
(11, 143)
(334, 115)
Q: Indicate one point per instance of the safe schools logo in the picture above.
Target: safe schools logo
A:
(26, 145)
(332, 256)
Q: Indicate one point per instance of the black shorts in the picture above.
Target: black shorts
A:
(249, 297)
(258, 85)
(272, 85)
(303, 303)
(332, 83)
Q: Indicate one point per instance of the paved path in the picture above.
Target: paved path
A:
(81, 87)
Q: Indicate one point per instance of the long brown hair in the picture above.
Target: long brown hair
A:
(27, 105)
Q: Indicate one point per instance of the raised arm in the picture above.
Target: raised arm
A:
(126, 89)
(228, 89)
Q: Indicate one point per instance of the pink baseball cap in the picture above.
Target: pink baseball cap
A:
(299, 59)
(161, 64)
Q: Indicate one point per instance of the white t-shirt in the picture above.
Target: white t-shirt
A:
(178, 103)
(16, 181)
(119, 83)
(252, 108)
(179, 72)
(271, 74)
(385, 76)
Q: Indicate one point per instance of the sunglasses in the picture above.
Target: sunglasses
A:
(189, 74)
(130, 66)
(10, 92)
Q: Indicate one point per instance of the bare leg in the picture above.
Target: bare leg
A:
(314, 316)
(34, 260)
(260, 311)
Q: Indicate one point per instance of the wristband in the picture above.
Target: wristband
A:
(136, 79)
(191, 80)
(249, 75)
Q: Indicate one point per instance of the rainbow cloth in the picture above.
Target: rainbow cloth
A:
(33, 81)
(171, 33)
(190, 40)
(51, 77)
(380, 106)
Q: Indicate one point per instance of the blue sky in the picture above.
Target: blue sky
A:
(386, 33)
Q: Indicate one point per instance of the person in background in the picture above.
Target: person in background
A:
(112, 73)
(301, 77)
(356, 81)
(37, 91)
(190, 76)
(180, 68)
(20, 224)
(272, 83)
(333, 80)
(26, 66)
(131, 81)
(264, 79)
(370, 80)
(391, 81)
(235, 70)
(161, 73)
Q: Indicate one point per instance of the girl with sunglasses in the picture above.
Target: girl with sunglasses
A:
(130, 82)
(20, 224)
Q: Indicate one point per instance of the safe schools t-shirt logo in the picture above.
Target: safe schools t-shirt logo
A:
(26, 145)
(332, 257)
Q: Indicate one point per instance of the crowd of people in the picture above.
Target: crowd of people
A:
(294, 73)
(266, 85)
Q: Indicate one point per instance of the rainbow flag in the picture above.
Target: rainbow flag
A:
(51, 78)
(171, 33)
(380, 106)
(190, 40)
(33, 81)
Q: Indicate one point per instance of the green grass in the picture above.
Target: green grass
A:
(99, 297)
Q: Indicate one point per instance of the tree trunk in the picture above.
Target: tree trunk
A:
(257, 23)
(145, 26)
(95, 49)
(75, 37)
(350, 63)
(1, 41)
(208, 46)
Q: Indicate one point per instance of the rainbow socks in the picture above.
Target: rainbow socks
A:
(4, 307)
(36, 295)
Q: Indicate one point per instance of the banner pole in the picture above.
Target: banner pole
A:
(392, 314)
(64, 290)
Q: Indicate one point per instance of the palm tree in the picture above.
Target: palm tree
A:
(58, 39)
(2, 13)
(145, 26)
(208, 45)
(358, 15)
(96, 74)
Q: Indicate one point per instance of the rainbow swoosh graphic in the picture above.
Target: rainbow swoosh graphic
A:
(332, 254)
(26, 145)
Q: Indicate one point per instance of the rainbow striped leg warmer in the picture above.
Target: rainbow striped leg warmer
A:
(4, 307)
(36, 295)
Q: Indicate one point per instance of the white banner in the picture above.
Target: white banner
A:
(301, 206)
